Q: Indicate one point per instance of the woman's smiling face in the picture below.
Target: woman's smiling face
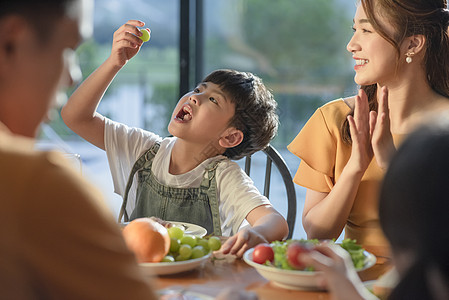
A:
(375, 58)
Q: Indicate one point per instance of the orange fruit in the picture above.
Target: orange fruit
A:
(148, 239)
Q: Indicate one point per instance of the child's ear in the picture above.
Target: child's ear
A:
(231, 138)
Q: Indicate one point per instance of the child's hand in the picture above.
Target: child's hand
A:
(242, 241)
(337, 272)
(126, 42)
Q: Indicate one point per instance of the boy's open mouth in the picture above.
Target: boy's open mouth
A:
(185, 113)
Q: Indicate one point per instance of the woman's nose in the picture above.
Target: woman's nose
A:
(352, 45)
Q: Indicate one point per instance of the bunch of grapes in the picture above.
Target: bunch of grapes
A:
(187, 246)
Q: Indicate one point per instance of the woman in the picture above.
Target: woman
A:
(397, 48)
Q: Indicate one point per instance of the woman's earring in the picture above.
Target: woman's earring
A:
(409, 55)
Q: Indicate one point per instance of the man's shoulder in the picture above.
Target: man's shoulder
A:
(17, 154)
(11, 143)
(19, 158)
(46, 175)
(20, 163)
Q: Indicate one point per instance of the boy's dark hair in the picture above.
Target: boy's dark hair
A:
(255, 110)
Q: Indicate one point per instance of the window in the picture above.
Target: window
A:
(298, 48)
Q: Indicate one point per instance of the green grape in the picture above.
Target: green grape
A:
(180, 258)
(214, 243)
(145, 35)
(168, 258)
(204, 243)
(197, 252)
(189, 240)
(174, 244)
(175, 232)
(185, 251)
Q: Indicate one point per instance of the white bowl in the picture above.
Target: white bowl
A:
(165, 268)
(294, 279)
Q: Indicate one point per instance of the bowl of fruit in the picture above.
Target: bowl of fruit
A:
(278, 263)
(162, 250)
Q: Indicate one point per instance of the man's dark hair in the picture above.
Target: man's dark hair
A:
(42, 14)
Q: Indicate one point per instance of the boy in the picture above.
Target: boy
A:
(188, 177)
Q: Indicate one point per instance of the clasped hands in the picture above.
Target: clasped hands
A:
(370, 131)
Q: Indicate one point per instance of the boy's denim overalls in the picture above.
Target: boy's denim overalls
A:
(193, 205)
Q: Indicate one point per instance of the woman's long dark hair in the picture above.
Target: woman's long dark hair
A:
(409, 17)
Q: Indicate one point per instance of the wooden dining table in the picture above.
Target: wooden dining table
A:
(215, 275)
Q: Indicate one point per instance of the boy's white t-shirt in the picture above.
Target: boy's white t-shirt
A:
(236, 192)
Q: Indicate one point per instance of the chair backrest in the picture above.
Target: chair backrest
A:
(273, 156)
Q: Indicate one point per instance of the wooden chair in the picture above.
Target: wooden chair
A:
(273, 156)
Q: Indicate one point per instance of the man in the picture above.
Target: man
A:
(57, 239)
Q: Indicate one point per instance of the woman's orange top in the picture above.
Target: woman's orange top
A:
(323, 156)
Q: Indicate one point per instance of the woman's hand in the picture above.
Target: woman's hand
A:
(359, 126)
(242, 241)
(126, 42)
(382, 139)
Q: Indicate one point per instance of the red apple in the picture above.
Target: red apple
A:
(293, 251)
